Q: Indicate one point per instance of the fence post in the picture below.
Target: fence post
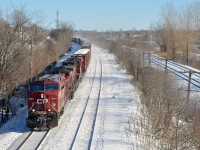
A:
(189, 83)
(143, 56)
(166, 64)
(149, 59)
(188, 95)
(139, 59)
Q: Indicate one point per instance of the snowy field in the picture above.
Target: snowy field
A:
(119, 100)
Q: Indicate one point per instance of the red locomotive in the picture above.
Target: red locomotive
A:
(46, 100)
(49, 94)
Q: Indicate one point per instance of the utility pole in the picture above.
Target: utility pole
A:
(57, 21)
(31, 47)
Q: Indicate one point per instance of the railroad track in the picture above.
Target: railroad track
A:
(171, 66)
(178, 69)
(92, 89)
(30, 141)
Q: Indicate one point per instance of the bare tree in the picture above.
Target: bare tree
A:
(63, 36)
(12, 48)
(196, 19)
(159, 35)
(186, 38)
(169, 17)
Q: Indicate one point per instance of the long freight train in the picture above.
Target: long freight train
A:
(48, 94)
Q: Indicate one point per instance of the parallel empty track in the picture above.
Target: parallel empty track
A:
(95, 111)
(30, 141)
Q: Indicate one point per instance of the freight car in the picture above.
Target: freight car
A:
(86, 55)
(48, 95)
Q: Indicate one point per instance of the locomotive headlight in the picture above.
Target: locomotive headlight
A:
(33, 110)
(42, 95)
(54, 104)
(49, 109)
(54, 98)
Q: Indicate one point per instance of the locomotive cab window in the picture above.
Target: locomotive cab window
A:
(36, 87)
(50, 87)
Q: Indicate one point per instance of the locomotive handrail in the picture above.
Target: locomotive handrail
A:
(31, 106)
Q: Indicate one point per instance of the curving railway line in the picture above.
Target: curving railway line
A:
(184, 72)
(178, 69)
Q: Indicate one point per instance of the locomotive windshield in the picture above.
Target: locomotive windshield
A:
(36, 87)
(48, 87)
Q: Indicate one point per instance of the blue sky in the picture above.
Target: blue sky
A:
(96, 14)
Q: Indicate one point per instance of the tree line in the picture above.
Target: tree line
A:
(178, 31)
(26, 48)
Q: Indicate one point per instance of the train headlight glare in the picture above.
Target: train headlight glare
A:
(42, 95)
(33, 110)
(54, 104)
(49, 109)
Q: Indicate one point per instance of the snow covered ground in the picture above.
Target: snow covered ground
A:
(119, 100)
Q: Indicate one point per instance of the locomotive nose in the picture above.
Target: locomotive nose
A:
(42, 95)
(40, 101)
